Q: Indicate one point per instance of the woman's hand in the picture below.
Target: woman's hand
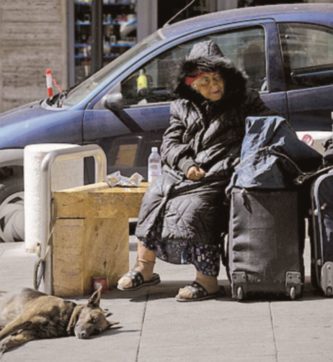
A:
(195, 173)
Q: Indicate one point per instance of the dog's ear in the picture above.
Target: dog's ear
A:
(74, 317)
(95, 298)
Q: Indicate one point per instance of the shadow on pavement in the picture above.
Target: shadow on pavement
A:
(169, 289)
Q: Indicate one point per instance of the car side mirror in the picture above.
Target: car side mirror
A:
(113, 101)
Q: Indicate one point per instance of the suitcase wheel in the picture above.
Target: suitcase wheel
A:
(329, 292)
(292, 293)
(326, 276)
(240, 293)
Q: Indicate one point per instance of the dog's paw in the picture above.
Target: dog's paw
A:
(5, 344)
(3, 347)
(113, 323)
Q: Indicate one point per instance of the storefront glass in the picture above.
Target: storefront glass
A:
(119, 25)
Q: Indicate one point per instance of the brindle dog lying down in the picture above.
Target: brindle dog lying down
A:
(34, 315)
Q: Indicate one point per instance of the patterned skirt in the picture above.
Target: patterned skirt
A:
(204, 256)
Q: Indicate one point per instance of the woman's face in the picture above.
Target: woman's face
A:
(210, 85)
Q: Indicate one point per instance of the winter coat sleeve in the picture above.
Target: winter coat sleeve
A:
(174, 152)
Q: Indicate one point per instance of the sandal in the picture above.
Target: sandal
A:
(198, 292)
(138, 281)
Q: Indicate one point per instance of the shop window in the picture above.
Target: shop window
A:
(118, 32)
(168, 9)
(308, 55)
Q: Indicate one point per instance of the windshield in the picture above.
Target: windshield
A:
(81, 91)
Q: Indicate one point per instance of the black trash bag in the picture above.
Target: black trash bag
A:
(272, 156)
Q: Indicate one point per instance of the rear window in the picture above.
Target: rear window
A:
(308, 54)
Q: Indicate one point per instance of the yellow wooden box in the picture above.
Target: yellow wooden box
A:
(91, 236)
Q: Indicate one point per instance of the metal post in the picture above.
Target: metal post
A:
(78, 152)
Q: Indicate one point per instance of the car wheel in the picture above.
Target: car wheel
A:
(11, 209)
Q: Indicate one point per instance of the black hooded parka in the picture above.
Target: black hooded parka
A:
(182, 219)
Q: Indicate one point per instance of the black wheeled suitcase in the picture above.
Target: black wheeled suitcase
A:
(265, 244)
(321, 233)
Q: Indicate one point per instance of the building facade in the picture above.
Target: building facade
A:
(33, 36)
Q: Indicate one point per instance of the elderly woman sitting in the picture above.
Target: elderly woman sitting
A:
(184, 211)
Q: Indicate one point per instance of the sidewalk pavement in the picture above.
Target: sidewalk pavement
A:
(156, 328)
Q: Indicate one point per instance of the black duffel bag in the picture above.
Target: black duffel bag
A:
(272, 156)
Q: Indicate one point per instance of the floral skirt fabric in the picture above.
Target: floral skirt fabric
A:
(183, 223)
(204, 257)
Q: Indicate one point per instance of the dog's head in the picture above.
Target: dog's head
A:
(89, 319)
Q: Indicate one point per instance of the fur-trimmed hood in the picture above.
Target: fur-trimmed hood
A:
(207, 56)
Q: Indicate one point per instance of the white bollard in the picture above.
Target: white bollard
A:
(64, 174)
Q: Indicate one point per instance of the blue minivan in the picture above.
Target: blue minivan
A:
(285, 50)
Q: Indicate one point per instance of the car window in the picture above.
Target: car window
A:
(81, 91)
(308, 55)
(246, 49)
(155, 81)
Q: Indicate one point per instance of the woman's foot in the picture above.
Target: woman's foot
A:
(208, 282)
(136, 281)
(142, 274)
(204, 287)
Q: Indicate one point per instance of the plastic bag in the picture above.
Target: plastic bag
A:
(116, 179)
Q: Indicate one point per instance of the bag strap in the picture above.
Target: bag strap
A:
(301, 179)
(302, 176)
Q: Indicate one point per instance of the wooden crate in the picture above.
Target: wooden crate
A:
(91, 236)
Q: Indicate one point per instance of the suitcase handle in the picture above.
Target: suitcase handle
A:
(246, 201)
(224, 249)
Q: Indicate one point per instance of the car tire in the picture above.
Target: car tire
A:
(11, 209)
